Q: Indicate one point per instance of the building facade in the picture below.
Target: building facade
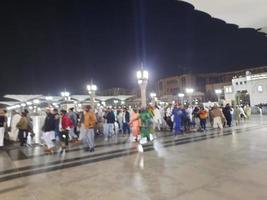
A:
(249, 89)
(176, 84)
(203, 83)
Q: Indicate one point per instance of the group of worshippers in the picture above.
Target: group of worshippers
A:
(186, 118)
(81, 127)
(61, 127)
(19, 129)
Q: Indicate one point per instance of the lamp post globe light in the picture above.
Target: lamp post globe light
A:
(115, 102)
(153, 96)
(181, 96)
(142, 77)
(91, 90)
(66, 96)
(49, 100)
(218, 92)
(189, 92)
(36, 101)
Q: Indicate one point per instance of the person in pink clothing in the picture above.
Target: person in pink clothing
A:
(135, 124)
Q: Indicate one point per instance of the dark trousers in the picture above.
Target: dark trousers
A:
(126, 127)
(229, 121)
(64, 137)
(187, 124)
(57, 135)
(169, 122)
(203, 123)
(23, 134)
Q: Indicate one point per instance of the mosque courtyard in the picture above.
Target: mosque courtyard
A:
(227, 165)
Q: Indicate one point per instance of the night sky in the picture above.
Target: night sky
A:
(49, 45)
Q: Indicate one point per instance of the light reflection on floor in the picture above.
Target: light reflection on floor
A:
(225, 167)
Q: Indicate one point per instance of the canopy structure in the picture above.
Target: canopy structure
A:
(119, 97)
(29, 99)
(80, 97)
(244, 13)
(51, 98)
(9, 103)
(22, 98)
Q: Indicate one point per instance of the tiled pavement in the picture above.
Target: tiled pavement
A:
(218, 165)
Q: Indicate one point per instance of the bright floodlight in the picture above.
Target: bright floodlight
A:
(91, 87)
(29, 103)
(142, 75)
(116, 101)
(94, 88)
(189, 90)
(145, 74)
(218, 91)
(139, 75)
(181, 95)
(65, 94)
(48, 98)
(153, 95)
(260, 88)
(36, 101)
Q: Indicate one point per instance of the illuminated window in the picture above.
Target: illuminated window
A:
(260, 88)
(228, 90)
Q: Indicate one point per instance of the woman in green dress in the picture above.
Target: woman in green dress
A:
(145, 118)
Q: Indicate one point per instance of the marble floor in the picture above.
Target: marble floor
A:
(227, 165)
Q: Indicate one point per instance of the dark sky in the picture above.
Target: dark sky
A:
(49, 45)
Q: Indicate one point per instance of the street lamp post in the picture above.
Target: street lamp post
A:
(153, 97)
(181, 96)
(218, 92)
(66, 96)
(189, 92)
(115, 103)
(142, 77)
(49, 100)
(91, 90)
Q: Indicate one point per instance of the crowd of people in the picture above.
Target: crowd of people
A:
(141, 125)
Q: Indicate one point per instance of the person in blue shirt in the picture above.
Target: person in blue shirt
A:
(178, 115)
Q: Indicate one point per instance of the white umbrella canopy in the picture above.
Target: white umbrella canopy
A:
(244, 13)
(23, 98)
(119, 97)
(9, 103)
(80, 97)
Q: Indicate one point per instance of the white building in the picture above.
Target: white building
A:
(251, 89)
